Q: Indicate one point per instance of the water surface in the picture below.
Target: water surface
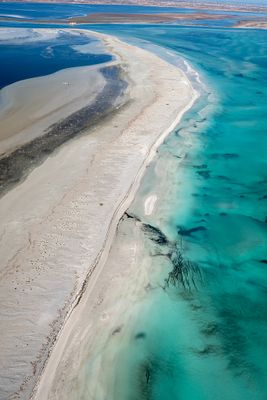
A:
(204, 326)
(201, 333)
(39, 55)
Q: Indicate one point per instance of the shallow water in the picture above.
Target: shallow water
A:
(202, 332)
(51, 11)
(39, 55)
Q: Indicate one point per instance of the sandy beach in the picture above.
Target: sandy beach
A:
(59, 224)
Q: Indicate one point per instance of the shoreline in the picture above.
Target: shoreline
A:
(72, 321)
(139, 19)
(61, 232)
(57, 351)
(16, 165)
(168, 4)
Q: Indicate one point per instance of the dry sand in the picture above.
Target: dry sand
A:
(57, 228)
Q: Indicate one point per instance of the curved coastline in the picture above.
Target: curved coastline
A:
(109, 170)
(57, 369)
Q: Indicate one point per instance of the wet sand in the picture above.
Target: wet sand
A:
(198, 5)
(17, 164)
(255, 24)
(31, 106)
(58, 224)
(126, 18)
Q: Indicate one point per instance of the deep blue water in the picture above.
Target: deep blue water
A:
(204, 336)
(52, 11)
(58, 11)
(43, 57)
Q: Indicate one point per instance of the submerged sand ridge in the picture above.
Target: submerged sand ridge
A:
(58, 224)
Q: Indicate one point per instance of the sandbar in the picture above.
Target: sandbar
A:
(58, 225)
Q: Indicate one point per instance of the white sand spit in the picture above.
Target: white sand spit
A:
(57, 227)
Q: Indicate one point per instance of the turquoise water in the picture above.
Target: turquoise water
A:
(202, 331)
(46, 11)
(39, 11)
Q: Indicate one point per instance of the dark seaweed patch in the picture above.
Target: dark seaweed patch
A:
(155, 234)
(239, 75)
(226, 156)
(235, 310)
(189, 232)
(202, 166)
(209, 349)
(210, 329)
(223, 177)
(183, 271)
(144, 379)
(117, 330)
(177, 132)
(132, 216)
(204, 174)
(140, 335)
(151, 369)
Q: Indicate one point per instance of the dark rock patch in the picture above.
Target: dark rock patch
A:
(201, 166)
(189, 232)
(226, 156)
(140, 335)
(204, 174)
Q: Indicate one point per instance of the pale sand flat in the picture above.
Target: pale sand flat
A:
(58, 225)
(30, 106)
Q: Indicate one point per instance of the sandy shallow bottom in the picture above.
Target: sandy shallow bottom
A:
(58, 225)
